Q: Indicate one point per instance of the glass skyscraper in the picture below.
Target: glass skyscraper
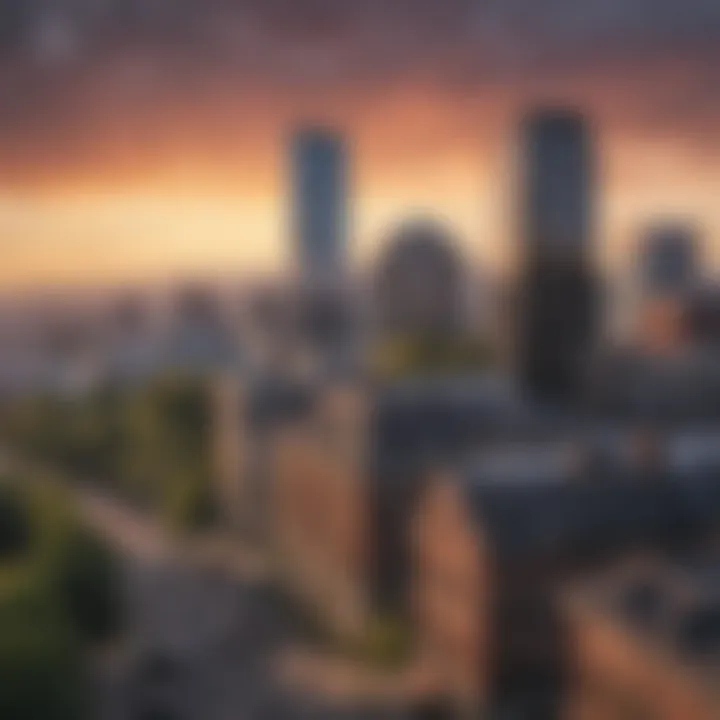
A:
(319, 204)
(558, 303)
(558, 179)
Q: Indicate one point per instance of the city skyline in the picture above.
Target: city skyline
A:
(149, 141)
(88, 238)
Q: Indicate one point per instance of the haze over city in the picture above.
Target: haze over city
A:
(359, 359)
(139, 140)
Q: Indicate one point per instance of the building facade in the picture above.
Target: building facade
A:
(645, 638)
(320, 512)
(249, 415)
(346, 483)
(319, 188)
(419, 286)
(493, 547)
(558, 293)
(668, 260)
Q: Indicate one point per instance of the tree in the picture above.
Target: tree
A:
(86, 583)
(14, 522)
(40, 670)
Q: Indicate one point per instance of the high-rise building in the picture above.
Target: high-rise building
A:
(319, 204)
(667, 267)
(668, 259)
(557, 177)
(558, 291)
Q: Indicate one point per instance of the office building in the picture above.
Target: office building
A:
(419, 282)
(701, 319)
(667, 276)
(557, 177)
(494, 543)
(249, 415)
(200, 338)
(644, 641)
(668, 260)
(665, 389)
(558, 293)
(319, 189)
(346, 482)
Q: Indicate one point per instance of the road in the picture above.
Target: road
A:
(141, 536)
(210, 613)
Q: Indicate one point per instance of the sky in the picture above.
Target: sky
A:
(145, 138)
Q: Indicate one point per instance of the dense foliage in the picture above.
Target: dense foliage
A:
(83, 435)
(14, 523)
(41, 676)
(167, 463)
(150, 444)
(58, 593)
(59, 583)
(425, 355)
(86, 582)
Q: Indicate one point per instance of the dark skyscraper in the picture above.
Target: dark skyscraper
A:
(558, 292)
(558, 186)
(668, 259)
(319, 204)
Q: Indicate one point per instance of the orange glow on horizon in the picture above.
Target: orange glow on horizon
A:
(195, 226)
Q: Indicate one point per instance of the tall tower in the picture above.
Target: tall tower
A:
(319, 205)
(667, 277)
(558, 177)
(668, 259)
(558, 291)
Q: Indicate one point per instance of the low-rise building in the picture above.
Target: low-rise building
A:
(645, 642)
(348, 477)
(674, 389)
(249, 415)
(493, 543)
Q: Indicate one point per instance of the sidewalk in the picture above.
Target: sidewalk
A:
(143, 536)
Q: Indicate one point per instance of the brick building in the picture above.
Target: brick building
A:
(645, 642)
(346, 481)
(493, 543)
(248, 416)
(229, 448)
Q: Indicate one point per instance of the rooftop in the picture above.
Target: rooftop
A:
(567, 500)
(672, 608)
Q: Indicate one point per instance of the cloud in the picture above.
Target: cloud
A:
(125, 84)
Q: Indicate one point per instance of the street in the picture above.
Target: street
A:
(203, 631)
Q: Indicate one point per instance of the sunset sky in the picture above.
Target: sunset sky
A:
(143, 138)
